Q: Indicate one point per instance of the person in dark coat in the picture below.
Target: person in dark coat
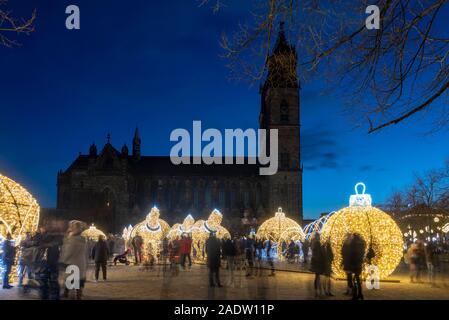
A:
(9, 255)
(317, 263)
(47, 261)
(357, 249)
(100, 254)
(137, 243)
(345, 254)
(269, 246)
(213, 260)
(230, 251)
(328, 258)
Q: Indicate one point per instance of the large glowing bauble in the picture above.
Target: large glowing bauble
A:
(152, 230)
(93, 233)
(19, 211)
(379, 231)
(202, 229)
(178, 229)
(280, 228)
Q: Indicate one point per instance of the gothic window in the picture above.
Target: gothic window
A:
(284, 112)
(208, 197)
(285, 160)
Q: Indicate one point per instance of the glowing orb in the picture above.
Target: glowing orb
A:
(19, 211)
(202, 229)
(179, 228)
(152, 230)
(280, 228)
(377, 228)
(93, 233)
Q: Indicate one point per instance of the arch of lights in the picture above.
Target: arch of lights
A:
(19, 212)
(92, 233)
(377, 228)
(280, 229)
(316, 226)
(203, 228)
(152, 230)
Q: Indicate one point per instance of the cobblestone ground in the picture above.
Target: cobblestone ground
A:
(131, 282)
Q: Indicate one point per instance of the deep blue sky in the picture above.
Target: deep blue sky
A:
(156, 64)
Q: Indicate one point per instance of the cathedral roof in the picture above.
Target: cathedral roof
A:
(162, 165)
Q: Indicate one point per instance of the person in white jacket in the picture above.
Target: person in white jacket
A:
(75, 253)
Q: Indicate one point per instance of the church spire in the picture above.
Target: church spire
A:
(281, 63)
(136, 144)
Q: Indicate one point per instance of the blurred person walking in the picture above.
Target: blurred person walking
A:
(49, 244)
(249, 253)
(213, 260)
(27, 256)
(328, 258)
(185, 250)
(433, 262)
(317, 264)
(356, 257)
(100, 254)
(137, 243)
(74, 252)
(345, 254)
(230, 251)
(269, 254)
(8, 257)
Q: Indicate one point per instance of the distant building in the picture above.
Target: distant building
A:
(114, 188)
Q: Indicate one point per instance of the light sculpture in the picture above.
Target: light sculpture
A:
(316, 226)
(379, 231)
(178, 229)
(92, 233)
(19, 212)
(280, 229)
(445, 228)
(126, 234)
(152, 230)
(203, 228)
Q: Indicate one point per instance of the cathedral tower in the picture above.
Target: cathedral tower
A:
(280, 109)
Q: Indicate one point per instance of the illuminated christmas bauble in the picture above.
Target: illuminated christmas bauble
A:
(379, 231)
(203, 228)
(93, 233)
(19, 211)
(152, 230)
(280, 228)
(178, 229)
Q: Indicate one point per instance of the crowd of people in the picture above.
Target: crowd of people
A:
(45, 254)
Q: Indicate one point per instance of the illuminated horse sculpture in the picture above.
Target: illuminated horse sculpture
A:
(152, 230)
(179, 228)
(202, 230)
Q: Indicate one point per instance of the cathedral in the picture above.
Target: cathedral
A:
(115, 187)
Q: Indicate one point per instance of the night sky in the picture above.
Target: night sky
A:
(156, 64)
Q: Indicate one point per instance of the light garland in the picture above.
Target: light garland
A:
(93, 233)
(178, 229)
(152, 230)
(19, 213)
(202, 229)
(280, 229)
(316, 226)
(376, 227)
(445, 228)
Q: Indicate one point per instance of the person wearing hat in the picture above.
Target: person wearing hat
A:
(213, 251)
